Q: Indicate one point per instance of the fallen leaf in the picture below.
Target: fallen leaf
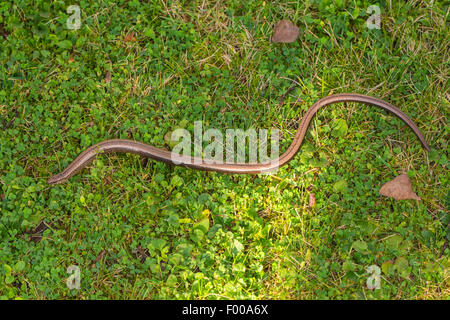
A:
(312, 200)
(108, 77)
(400, 189)
(2, 196)
(285, 32)
(36, 233)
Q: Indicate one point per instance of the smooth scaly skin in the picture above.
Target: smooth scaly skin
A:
(145, 150)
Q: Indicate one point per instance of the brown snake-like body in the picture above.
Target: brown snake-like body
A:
(145, 150)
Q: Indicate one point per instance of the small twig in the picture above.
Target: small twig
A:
(283, 97)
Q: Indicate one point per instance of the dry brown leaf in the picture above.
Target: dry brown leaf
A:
(37, 232)
(285, 32)
(400, 189)
(108, 77)
(312, 200)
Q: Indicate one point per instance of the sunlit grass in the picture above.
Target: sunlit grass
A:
(134, 227)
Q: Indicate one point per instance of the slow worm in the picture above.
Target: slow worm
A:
(145, 150)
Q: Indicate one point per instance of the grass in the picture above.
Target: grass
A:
(143, 230)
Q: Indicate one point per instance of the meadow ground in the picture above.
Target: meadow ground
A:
(144, 230)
